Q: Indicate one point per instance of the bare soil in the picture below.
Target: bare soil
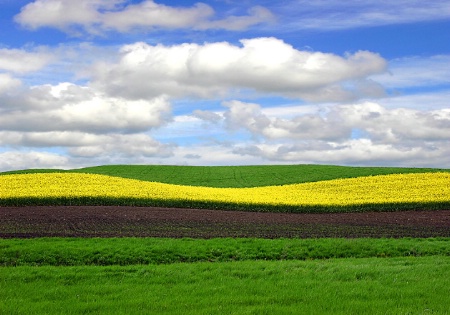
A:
(110, 221)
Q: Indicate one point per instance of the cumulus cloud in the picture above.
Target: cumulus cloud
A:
(98, 16)
(8, 83)
(22, 61)
(90, 146)
(82, 123)
(68, 107)
(65, 150)
(400, 125)
(150, 14)
(206, 115)
(123, 146)
(63, 14)
(266, 65)
(339, 122)
(362, 133)
(250, 117)
(16, 160)
(351, 152)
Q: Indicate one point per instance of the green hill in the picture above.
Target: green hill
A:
(236, 176)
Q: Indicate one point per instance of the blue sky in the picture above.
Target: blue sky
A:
(224, 82)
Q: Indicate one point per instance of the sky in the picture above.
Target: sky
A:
(224, 82)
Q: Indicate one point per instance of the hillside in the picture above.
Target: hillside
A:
(236, 176)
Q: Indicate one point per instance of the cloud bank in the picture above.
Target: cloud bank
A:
(81, 124)
(358, 133)
(99, 16)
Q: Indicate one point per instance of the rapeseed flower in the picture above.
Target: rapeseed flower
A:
(395, 188)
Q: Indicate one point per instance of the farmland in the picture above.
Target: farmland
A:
(383, 192)
(225, 240)
(234, 176)
(125, 221)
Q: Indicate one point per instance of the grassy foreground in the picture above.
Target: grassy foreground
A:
(407, 285)
(224, 276)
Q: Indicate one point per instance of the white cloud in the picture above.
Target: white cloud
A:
(70, 62)
(68, 107)
(413, 72)
(399, 125)
(256, 15)
(364, 133)
(336, 14)
(75, 149)
(149, 14)
(63, 14)
(50, 138)
(380, 124)
(350, 152)
(210, 154)
(21, 61)
(251, 118)
(206, 115)
(16, 160)
(98, 16)
(83, 124)
(432, 100)
(266, 65)
(79, 148)
(123, 146)
(8, 83)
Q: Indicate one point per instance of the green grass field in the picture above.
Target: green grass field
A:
(408, 285)
(134, 251)
(227, 275)
(224, 276)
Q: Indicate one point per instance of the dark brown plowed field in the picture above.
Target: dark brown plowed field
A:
(94, 221)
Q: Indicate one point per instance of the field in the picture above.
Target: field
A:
(428, 190)
(235, 176)
(225, 240)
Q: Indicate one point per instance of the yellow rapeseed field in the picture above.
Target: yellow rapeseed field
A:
(396, 188)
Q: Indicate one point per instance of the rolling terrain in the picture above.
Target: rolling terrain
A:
(225, 240)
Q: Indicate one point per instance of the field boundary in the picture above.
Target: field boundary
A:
(198, 204)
